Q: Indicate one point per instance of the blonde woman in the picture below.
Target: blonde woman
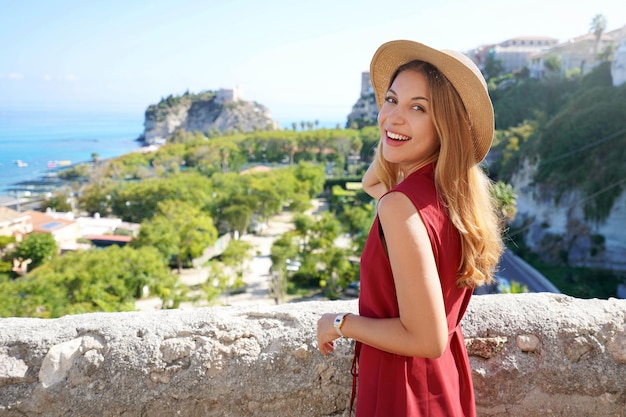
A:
(434, 239)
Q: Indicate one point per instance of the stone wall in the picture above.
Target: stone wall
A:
(531, 355)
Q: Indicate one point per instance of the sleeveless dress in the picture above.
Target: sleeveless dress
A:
(391, 385)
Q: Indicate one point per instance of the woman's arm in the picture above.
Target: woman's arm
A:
(372, 184)
(421, 329)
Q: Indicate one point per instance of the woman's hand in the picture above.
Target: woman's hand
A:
(326, 333)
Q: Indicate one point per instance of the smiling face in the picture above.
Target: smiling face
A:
(408, 135)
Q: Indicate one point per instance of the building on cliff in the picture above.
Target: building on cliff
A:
(618, 67)
(229, 95)
(512, 53)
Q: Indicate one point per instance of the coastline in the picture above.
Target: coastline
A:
(37, 145)
(50, 181)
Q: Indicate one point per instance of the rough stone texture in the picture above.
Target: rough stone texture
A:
(563, 356)
(532, 355)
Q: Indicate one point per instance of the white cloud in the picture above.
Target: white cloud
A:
(70, 77)
(15, 76)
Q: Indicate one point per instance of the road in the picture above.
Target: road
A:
(514, 268)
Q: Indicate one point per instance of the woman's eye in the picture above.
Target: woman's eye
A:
(390, 99)
(418, 107)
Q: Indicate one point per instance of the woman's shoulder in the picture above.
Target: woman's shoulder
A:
(395, 204)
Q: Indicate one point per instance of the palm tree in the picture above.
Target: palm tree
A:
(598, 26)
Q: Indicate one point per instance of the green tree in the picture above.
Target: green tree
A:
(238, 214)
(552, 63)
(597, 27)
(217, 282)
(96, 197)
(311, 178)
(179, 231)
(134, 165)
(40, 248)
(58, 201)
(284, 248)
(108, 280)
(358, 221)
(493, 67)
(235, 257)
(234, 202)
(268, 197)
(137, 201)
(336, 270)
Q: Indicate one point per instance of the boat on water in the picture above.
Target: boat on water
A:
(20, 163)
(63, 163)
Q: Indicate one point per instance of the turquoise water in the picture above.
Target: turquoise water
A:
(46, 140)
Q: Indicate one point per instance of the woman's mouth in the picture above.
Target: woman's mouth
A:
(397, 136)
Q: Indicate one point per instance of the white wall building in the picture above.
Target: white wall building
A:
(227, 95)
(618, 67)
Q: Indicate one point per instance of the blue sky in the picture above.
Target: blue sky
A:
(303, 60)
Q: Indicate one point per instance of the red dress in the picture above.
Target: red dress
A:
(391, 385)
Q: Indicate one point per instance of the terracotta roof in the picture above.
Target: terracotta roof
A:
(8, 215)
(44, 223)
(110, 238)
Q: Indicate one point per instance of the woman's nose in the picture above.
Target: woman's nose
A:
(396, 115)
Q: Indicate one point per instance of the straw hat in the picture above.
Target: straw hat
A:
(458, 69)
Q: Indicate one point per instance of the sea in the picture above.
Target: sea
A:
(35, 144)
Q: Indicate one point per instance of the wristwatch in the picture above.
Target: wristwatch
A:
(339, 322)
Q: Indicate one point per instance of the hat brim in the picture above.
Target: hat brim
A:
(459, 69)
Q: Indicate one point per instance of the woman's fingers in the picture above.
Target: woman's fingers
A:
(326, 348)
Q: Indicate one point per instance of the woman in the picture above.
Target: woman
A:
(434, 239)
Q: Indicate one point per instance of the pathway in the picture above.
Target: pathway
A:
(256, 276)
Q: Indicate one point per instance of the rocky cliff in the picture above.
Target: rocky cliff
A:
(364, 112)
(557, 228)
(531, 355)
(204, 112)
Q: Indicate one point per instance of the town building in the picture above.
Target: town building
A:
(229, 95)
(513, 53)
(581, 55)
(618, 67)
(64, 231)
(14, 223)
(366, 84)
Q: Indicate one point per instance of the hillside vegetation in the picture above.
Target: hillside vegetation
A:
(574, 128)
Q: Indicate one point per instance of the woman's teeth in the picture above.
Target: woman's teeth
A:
(396, 136)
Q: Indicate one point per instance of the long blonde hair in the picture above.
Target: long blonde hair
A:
(461, 183)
